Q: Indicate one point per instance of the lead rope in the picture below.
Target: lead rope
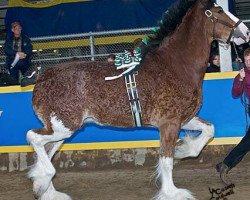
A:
(237, 55)
(243, 95)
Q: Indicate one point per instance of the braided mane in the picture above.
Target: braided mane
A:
(171, 19)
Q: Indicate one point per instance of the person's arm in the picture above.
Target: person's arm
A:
(27, 46)
(8, 49)
(238, 86)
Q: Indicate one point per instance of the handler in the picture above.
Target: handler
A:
(241, 85)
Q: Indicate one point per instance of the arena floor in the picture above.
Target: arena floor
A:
(130, 184)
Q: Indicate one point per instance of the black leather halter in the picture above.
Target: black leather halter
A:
(215, 20)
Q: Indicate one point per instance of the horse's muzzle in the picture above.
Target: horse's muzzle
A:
(241, 34)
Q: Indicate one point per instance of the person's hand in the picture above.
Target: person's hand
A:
(238, 60)
(242, 74)
(21, 55)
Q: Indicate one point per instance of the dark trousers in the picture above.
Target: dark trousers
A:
(7, 79)
(237, 154)
(22, 65)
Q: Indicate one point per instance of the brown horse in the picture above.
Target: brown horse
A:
(169, 86)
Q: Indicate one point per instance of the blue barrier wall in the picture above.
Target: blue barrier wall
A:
(219, 108)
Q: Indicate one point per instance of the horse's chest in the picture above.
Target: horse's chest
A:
(193, 104)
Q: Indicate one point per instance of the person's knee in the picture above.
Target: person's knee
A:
(23, 66)
(21, 63)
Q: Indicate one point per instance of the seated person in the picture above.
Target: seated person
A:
(214, 61)
(18, 50)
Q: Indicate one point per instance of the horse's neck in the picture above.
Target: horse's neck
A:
(191, 43)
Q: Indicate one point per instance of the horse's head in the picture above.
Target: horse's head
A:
(225, 25)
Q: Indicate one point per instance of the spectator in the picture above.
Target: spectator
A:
(237, 64)
(214, 63)
(237, 56)
(111, 58)
(214, 46)
(18, 50)
(241, 85)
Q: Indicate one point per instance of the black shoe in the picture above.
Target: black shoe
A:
(28, 80)
(223, 169)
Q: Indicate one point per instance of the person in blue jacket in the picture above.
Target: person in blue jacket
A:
(18, 51)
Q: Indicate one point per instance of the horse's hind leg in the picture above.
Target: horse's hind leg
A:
(191, 146)
(43, 171)
(52, 147)
(169, 133)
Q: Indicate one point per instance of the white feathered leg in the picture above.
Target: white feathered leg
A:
(43, 171)
(191, 146)
(168, 190)
(52, 194)
(53, 148)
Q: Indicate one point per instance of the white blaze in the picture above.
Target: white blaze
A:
(241, 33)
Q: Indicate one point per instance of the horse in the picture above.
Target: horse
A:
(169, 82)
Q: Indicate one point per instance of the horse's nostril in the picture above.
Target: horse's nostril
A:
(248, 32)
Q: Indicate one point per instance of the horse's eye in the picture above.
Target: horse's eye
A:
(221, 11)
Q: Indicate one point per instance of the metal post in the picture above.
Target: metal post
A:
(92, 46)
(39, 65)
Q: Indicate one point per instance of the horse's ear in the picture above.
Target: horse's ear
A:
(207, 4)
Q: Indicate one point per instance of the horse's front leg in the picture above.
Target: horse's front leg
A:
(169, 134)
(191, 146)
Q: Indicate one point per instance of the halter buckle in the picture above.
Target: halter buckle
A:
(208, 13)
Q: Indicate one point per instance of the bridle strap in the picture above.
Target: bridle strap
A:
(215, 20)
(232, 30)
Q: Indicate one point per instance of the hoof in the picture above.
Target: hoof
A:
(186, 148)
(55, 195)
(178, 194)
(35, 196)
(52, 194)
(182, 151)
(40, 186)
